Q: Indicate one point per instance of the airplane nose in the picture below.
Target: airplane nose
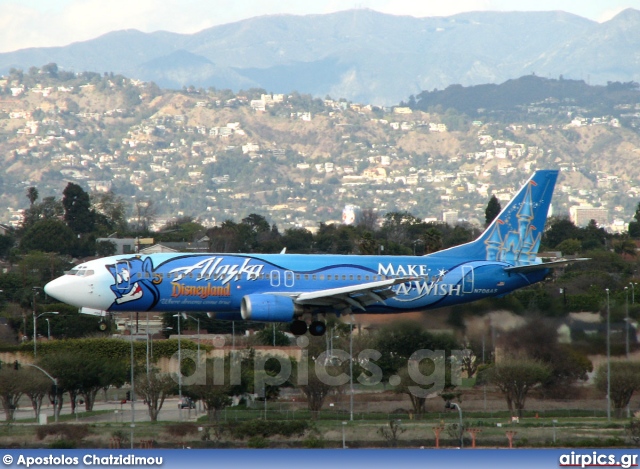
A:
(62, 290)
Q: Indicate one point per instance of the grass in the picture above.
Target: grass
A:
(568, 430)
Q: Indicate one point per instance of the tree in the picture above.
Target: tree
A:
(77, 209)
(625, 246)
(82, 375)
(49, 236)
(407, 385)
(400, 340)
(271, 335)
(515, 377)
(113, 208)
(215, 391)
(32, 195)
(432, 240)
(11, 389)
(566, 365)
(492, 211)
(316, 376)
(37, 385)
(625, 380)
(367, 245)
(145, 214)
(154, 387)
(558, 229)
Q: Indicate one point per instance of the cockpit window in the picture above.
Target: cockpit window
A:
(80, 272)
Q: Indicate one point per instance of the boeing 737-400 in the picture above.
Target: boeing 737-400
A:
(301, 289)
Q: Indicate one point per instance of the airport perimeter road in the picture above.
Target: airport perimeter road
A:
(115, 412)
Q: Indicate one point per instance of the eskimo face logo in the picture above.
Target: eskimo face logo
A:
(133, 287)
(128, 292)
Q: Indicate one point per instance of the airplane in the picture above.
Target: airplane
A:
(302, 289)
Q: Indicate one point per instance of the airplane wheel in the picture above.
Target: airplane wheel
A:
(317, 328)
(298, 327)
(102, 326)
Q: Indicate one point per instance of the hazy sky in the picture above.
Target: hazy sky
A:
(38, 23)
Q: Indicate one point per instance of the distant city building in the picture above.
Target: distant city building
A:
(581, 215)
(450, 217)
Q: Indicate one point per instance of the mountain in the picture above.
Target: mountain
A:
(362, 55)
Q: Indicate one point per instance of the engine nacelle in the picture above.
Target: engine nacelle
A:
(267, 308)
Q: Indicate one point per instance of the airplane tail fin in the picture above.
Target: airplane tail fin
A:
(514, 236)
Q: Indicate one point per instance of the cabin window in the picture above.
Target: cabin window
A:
(322, 277)
(313, 277)
(297, 276)
(306, 276)
(350, 277)
(344, 277)
(359, 277)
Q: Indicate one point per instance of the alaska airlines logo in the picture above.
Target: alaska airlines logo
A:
(204, 291)
(213, 268)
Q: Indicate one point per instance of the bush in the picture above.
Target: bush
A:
(63, 431)
(267, 428)
(257, 442)
(63, 444)
(181, 430)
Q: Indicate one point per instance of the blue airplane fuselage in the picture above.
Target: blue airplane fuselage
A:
(292, 287)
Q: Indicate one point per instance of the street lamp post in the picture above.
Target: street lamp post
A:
(608, 360)
(48, 328)
(35, 334)
(186, 316)
(133, 398)
(626, 320)
(179, 316)
(452, 405)
(351, 370)
(35, 292)
(633, 292)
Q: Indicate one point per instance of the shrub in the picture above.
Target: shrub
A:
(267, 428)
(63, 431)
(257, 442)
(181, 430)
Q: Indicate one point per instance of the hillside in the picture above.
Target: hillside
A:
(360, 54)
(217, 155)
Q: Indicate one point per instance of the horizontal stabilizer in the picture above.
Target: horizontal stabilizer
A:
(523, 269)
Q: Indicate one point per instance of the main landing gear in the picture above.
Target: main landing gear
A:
(316, 328)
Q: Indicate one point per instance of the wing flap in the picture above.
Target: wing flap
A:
(353, 296)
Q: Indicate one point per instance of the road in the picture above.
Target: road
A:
(118, 412)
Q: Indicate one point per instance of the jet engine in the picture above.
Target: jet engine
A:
(268, 308)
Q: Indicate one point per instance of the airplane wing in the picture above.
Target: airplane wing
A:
(544, 265)
(353, 296)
